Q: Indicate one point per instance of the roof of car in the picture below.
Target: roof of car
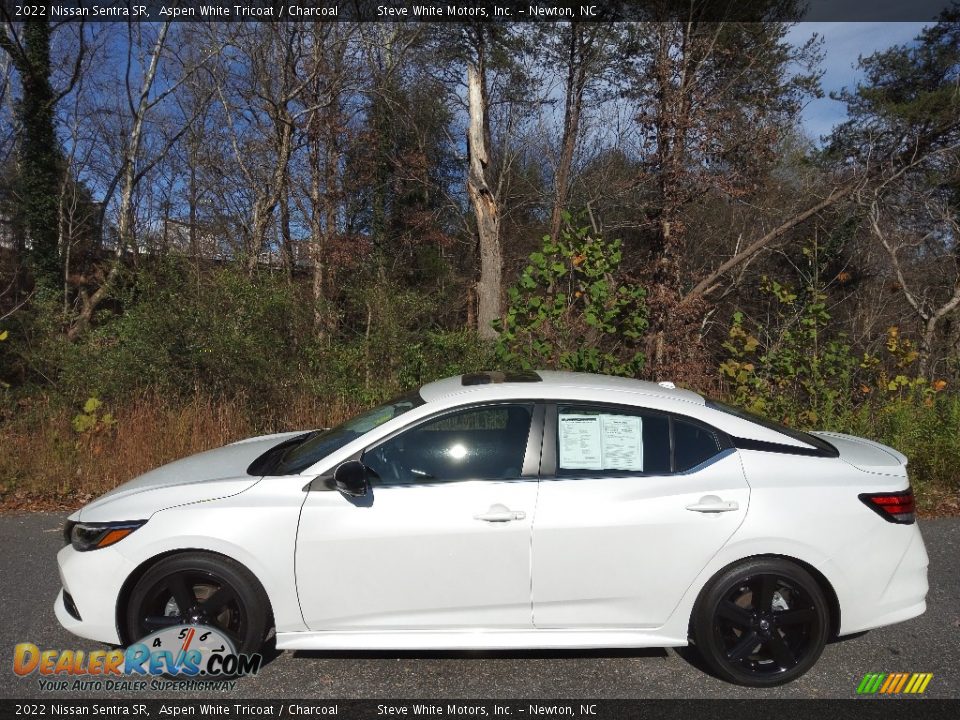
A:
(544, 382)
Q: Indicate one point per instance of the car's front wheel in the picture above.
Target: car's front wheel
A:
(200, 589)
(762, 622)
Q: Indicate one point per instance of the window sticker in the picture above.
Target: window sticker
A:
(621, 442)
(601, 442)
(580, 444)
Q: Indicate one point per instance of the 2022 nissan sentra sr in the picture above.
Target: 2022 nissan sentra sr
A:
(531, 510)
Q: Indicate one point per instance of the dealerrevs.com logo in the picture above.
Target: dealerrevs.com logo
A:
(894, 683)
(179, 653)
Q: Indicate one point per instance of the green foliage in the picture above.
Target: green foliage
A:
(233, 335)
(90, 420)
(908, 99)
(393, 347)
(806, 376)
(573, 309)
(801, 373)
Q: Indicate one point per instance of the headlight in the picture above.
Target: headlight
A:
(92, 536)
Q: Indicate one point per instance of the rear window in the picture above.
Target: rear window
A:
(790, 432)
(692, 445)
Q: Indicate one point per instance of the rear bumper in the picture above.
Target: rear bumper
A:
(894, 598)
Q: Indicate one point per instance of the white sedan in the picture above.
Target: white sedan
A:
(500, 511)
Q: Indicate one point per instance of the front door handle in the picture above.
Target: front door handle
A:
(500, 513)
(713, 504)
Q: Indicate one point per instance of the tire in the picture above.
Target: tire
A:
(761, 622)
(240, 607)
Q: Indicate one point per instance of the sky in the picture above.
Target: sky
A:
(844, 42)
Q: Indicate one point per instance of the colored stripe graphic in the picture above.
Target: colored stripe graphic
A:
(894, 683)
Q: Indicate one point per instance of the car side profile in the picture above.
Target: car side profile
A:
(514, 510)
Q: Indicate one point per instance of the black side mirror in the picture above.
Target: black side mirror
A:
(352, 478)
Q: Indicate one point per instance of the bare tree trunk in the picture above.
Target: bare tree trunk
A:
(130, 179)
(267, 202)
(485, 206)
(317, 242)
(286, 245)
(573, 105)
(195, 250)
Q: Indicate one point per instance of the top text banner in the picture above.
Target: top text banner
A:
(465, 11)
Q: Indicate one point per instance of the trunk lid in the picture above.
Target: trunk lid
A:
(866, 455)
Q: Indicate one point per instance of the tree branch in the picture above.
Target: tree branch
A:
(709, 283)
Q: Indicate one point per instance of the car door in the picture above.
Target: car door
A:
(632, 506)
(442, 539)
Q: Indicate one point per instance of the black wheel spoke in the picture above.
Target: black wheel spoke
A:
(216, 602)
(182, 593)
(158, 622)
(732, 612)
(746, 644)
(781, 653)
(762, 625)
(794, 617)
(763, 598)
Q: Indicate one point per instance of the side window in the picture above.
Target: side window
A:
(692, 445)
(618, 441)
(623, 442)
(484, 443)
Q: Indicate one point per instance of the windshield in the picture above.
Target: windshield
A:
(798, 435)
(313, 447)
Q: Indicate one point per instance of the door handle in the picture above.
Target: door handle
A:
(713, 504)
(500, 513)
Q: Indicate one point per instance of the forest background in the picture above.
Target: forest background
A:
(214, 230)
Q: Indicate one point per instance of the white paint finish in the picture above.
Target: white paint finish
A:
(256, 528)
(417, 558)
(867, 454)
(615, 561)
(620, 552)
(479, 639)
(94, 580)
(204, 476)
(808, 508)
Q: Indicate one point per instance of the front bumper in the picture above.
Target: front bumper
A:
(94, 580)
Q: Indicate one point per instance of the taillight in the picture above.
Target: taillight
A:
(895, 507)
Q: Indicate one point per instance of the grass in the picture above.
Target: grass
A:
(45, 462)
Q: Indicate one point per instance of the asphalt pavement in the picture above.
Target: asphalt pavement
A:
(930, 643)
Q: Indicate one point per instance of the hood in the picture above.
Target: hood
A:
(866, 455)
(204, 476)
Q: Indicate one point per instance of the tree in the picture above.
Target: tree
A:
(493, 59)
(905, 120)
(38, 179)
(713, 100)
(584, 53)
(133, 164)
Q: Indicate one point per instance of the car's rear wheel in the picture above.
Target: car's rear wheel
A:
(200, 589)
(762, 622)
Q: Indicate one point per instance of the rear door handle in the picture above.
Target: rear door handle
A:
(500, 513)
(713, 504)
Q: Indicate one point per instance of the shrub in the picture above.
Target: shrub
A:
(574, 309)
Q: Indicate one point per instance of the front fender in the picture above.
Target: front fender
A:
(232, 527)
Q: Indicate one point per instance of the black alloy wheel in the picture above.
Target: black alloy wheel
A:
(763, 622)
(199, 589)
